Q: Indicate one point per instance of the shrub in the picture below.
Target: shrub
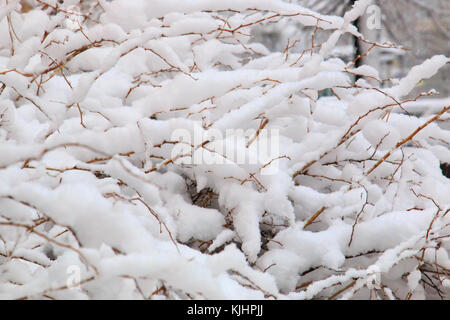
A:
(103, 193)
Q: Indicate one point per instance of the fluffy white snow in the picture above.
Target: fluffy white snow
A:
(105, 110)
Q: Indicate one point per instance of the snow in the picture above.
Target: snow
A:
(155, 151)
(424, 71)
(381, 134)
(421, 106)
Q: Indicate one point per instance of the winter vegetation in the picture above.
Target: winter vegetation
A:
(133, 161)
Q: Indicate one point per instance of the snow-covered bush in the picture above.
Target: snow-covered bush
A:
(103, 193)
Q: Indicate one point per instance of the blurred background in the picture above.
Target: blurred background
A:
(422, 26)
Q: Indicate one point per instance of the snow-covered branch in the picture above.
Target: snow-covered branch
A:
(155, 149)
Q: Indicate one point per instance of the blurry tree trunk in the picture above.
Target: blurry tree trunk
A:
(357, 45)
(357, 42)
